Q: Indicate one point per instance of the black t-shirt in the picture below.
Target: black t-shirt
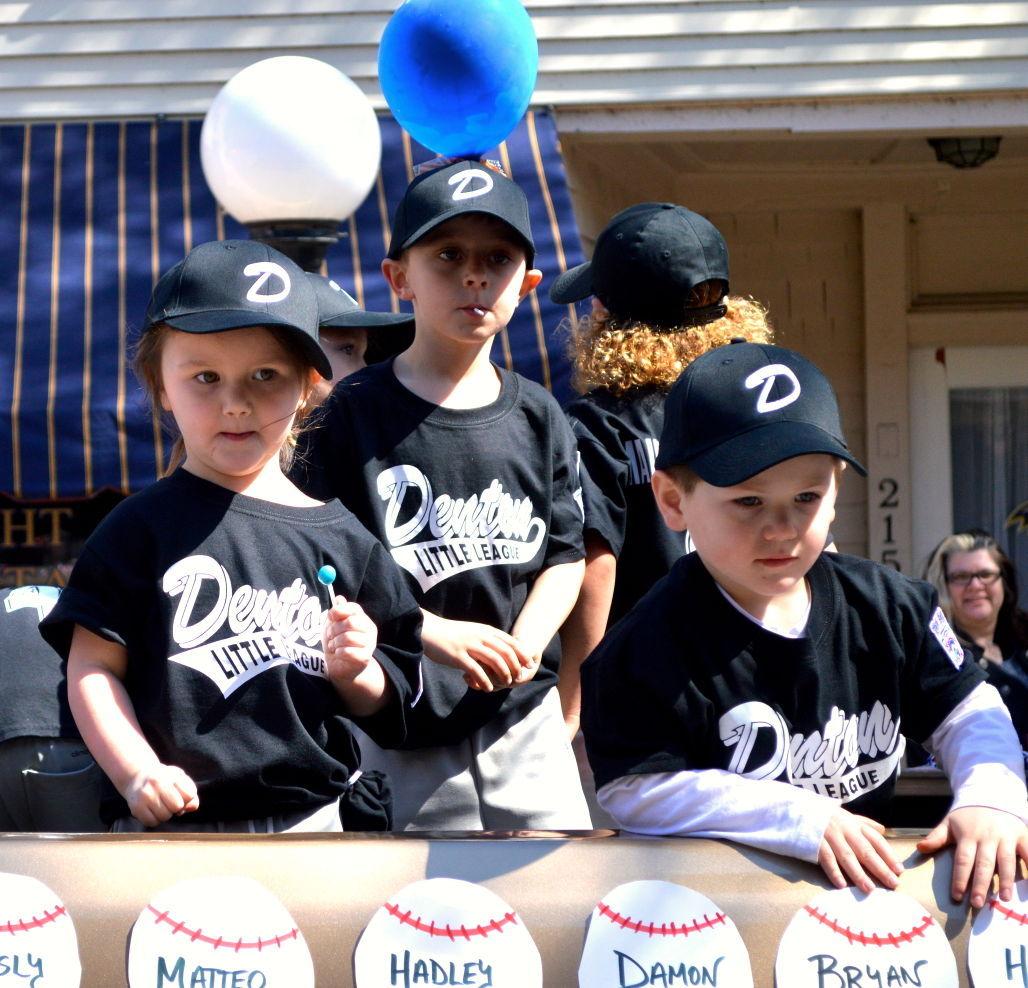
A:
(618, 439)
(215, 598)
(472, 504)
(686, 682)
(1010, 677)
(33, 688)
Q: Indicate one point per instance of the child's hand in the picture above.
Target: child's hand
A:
(349, 638)
(489, 658)
(160, 792)
(854, 850)
(987, 842)
(528, 671)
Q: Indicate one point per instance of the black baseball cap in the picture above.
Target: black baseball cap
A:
(647, 260)
(337, 308)
(744, 407)
(230, 284)
(466, 186)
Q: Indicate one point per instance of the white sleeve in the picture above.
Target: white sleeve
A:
(766, 814)
(977, 747)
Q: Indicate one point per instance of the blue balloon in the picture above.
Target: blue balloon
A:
(458, 75)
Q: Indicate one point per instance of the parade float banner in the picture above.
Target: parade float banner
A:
(997, 951)
(883, 939)
(218, 931)
(443, 931)
(657, 933)
(38, 946)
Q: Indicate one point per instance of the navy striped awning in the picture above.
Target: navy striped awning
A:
(92, 213)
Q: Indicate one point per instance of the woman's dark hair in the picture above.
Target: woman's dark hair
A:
(1011, 622)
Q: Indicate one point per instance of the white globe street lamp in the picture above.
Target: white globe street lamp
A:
(290, 147)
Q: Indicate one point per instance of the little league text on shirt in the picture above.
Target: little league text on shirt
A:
(826, 761)
(492, 528)
(270, 628)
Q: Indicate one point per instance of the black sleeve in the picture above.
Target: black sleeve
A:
(604, 484)
(385, 598)
(319, 461)
(640, 716)
(564, 543)
(104, 597)
(939, 672)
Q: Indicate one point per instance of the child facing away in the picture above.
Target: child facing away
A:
(467, 474)
(659, 285)
(204, 673)
(761, 691)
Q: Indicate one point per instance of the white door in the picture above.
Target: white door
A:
(969, 447)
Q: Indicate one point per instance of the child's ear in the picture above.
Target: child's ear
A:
(395, 272)
(670, 500)
(530, 282)
(165, 404)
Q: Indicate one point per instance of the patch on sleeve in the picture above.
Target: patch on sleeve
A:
(944, 635)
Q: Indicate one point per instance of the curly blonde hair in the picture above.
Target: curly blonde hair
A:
(619, 355)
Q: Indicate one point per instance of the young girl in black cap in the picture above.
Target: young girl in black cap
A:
(203, 672)
(659, 285)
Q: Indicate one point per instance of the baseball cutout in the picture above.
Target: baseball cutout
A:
(997, 952)
(38, 945)
(846, 937)
(659, 933)
(218, 931)
(443, 931)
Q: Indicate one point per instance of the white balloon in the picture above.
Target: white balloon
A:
(290, 138)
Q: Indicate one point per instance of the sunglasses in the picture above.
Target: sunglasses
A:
(984, 576)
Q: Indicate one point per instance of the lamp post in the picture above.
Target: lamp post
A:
(291, 147)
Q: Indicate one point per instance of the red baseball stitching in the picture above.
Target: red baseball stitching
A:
(1009, 913)
(664, 930)
(236, 945)
(873, 939)
(452, 932)
(34, 924)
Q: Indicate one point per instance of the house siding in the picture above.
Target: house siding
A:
(115, 58)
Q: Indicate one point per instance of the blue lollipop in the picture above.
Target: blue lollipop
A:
(327, 575)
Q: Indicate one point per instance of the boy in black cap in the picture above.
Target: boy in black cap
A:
(212, 675)
(343, 332)
(466, 472)
(765, 684)
(659, 285)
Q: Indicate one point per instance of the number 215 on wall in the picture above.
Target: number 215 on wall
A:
(889, 489)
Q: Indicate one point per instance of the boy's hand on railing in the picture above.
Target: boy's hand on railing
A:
(854, 851)
(986, 842)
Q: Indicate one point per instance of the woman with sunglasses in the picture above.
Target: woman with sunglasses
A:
(977, 587)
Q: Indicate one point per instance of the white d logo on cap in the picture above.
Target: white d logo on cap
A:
(464, 178)
(262, 271)
(769, 375)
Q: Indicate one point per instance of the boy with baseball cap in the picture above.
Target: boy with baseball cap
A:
(467, 474)
(762, 690)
